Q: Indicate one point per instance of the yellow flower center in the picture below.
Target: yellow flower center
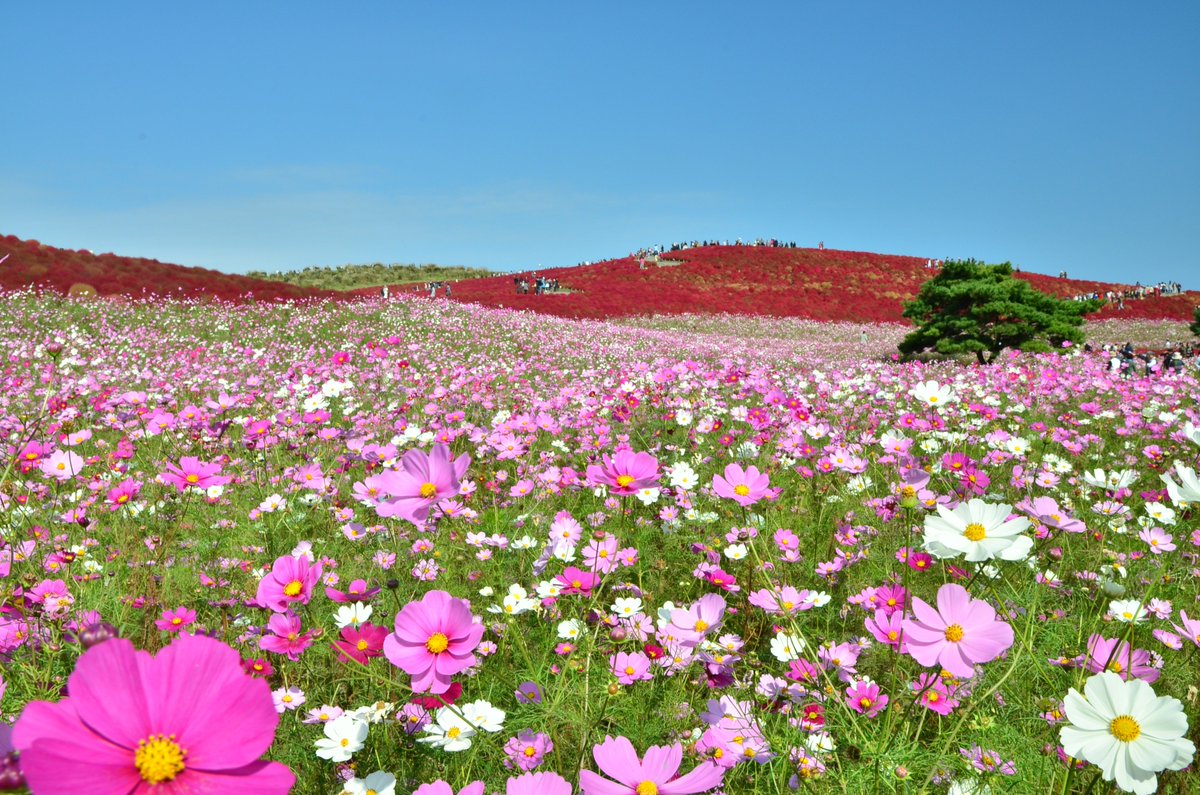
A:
(437, 643)
(362, 645)
(788, 605)
(933, 696)
(629, 670)
(176, 621)
(701, 626)
(623, 481)
(1125, 729)
(293, 588)
(741, 489)
(975, 532)
(954, 633)
(159, 758)
(453, 732)
(192, 479)
(864, 702)
(530, 751)
(646, 788)
(428, 491)
(1115, 667)
(893, 634)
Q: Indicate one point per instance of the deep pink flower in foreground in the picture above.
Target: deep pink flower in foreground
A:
(625, 473)
(442, 788)
(652, 775)
(422, 482)
(193, 472)
(433, 640)
(290, 583)
(185, 721)
(962, 632)
(743, 486)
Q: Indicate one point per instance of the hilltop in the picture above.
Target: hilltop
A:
(817, 284)
(31, 263)
(357, 277)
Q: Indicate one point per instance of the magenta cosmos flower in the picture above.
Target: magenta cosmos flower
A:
(185, 721)
(433, 640)
(962, 632)
(743, 486)
(653, 775)
(290, 582)
(420, 483)
(193, 472)
(625, 473)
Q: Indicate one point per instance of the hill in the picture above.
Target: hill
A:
(818, 284)
(32, 263)
(357, 277)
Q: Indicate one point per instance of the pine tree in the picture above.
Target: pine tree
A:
(1195, 327)
(971, 307)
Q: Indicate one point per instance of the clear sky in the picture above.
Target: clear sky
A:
(241, 135)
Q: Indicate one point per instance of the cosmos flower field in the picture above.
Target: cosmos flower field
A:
(422, 547)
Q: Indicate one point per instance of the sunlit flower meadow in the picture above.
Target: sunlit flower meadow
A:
(423, 547)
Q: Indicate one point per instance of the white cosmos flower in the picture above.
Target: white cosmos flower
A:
(932, 393)
(483, 715)
(1127, 611)
(344, 737)
(352, 615)
(1187, 490)
(570, 629)
(448, 731)
(627, 607)
(1191, 432)
(1110, 481)
(978, 530)
(786, 647)
(378, 783)
(1127, 731)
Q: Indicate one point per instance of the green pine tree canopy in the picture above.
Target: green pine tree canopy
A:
(972, 307)
(1195, 327)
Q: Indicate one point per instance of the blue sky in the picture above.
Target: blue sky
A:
(278, 135)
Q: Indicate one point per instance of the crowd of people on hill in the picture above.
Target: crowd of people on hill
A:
(1130, 363)
(538, 285)
(1135, 293)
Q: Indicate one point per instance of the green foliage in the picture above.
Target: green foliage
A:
(1195, 327)
(356, 277)
(972, 307)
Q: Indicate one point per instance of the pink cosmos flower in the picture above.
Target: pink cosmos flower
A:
(786, 600)
(176, 620)
(743, 486)
(1158, 539)
(630, 668)
(361, 644)
(284, 636)
(538, 784)
(527, 750)
(1105, 654)
(193, 472)
(1190, 628)
(358, 591)
(962, 633)
(575, 580)
(442, 788)
(433, 640)
(625, 473)
(865, 698)
(423, 481)
(888, 628)
(290, 582)
(655, 774)
(703, 617)
(186, 720)
(123, 493)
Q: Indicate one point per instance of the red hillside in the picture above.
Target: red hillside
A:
(819, 284)
(30, 263)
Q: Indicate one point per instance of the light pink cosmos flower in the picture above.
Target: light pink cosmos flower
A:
(625, 473)
(1190, 628)
(433, 640)
(175, 621)
(422, 482)
(1114, 654)
(62, 465)
(962, 632)
(538, 784)
(290, 582)
(186, 720)
(694, 623)
(630, 668)
(743, 486)
(193, 472)
(655, 773)
(1158, 540)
